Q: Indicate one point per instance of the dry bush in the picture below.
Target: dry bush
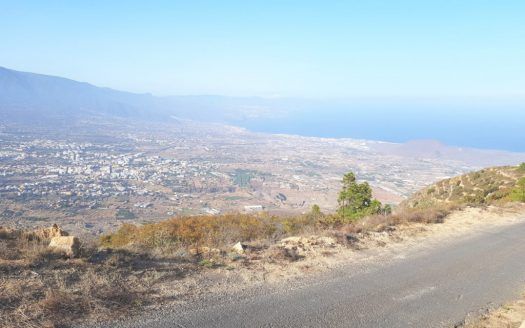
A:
(171, 236)
(436, 214)
(16, 246)
(378, 223)
(63, 305)
(211, 231)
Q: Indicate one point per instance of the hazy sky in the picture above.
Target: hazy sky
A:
(274, 48)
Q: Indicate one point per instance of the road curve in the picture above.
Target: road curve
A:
(436, 287)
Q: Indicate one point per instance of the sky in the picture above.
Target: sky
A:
(310, 49)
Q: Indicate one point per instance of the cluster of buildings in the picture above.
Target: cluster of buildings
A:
(81, 174)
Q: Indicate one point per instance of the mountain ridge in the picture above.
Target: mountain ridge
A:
(26, 95)
(33, 98)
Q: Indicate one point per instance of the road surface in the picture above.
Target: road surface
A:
(434, 287)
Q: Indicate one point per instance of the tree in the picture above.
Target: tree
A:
(521, 167)
(355, 199)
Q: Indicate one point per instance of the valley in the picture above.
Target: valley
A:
(93, 177)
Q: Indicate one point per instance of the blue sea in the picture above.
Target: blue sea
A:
(489, 126)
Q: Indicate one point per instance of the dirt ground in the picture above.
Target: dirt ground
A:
(510, 315)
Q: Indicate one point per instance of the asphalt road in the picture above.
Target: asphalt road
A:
(434, 287)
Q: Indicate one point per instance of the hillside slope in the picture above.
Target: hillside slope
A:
(32, 97)
(26, 95)
(488, 186)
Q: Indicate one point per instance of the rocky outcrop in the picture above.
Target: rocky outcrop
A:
(68, 245)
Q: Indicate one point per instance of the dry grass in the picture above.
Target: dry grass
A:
(210, 231)
(39, 288)
(379, 223)
(506, 316)
(179, 235)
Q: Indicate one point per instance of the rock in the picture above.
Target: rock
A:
(69, 245)
(239, 248)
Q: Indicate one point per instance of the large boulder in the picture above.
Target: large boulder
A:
(68, 245)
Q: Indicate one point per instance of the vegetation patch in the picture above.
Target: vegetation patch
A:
(518, 193)
(124, 214)
(492, 186)
(242, 178)
(206, 230)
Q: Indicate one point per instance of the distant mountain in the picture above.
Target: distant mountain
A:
(28, 96)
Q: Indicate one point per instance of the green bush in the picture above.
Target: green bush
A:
(518, 193)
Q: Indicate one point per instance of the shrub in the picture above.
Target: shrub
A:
(380, 223)
(518, 193)
(211, 231)
(435, 214)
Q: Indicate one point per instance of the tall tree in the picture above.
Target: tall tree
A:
(355, 199)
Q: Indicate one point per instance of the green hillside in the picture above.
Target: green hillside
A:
(495, 185)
